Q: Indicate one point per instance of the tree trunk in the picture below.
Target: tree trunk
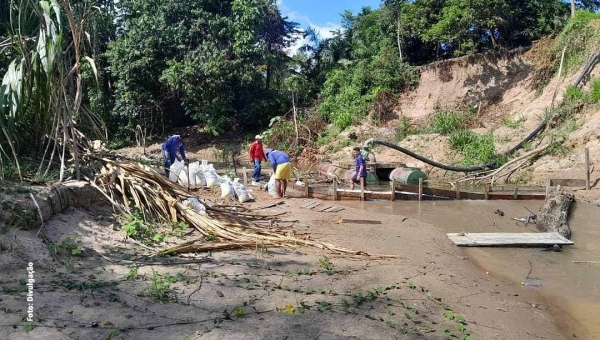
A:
(572, 8)
(398, 38)
(554, 214)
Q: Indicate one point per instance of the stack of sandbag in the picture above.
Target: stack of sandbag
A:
(241, 192)
(195, 174)
(211, 176)
(227, 188)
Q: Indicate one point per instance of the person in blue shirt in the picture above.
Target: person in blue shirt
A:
(282, 168)
(361, 169)
(170, 149)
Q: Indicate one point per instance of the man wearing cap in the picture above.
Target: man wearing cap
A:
(170, 148)
(280, 162)
(257, 155)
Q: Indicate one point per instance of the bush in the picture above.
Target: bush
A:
(574, 94)
(594, 96)
(581, 35)
(475, 148)
(445, 122)
(405, 129)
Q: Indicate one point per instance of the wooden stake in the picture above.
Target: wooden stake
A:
(548, 184)
(245, 175)
(562, 59)
(587, 169)
(487, 191)
(393, 188)
(187, 170)
(305, 188)
(516, 193)
(457, 190)
(335, 190)
(420, 189)
(362, 188)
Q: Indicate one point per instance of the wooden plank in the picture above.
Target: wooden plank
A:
(324, 208)
(330, 209)
(337, 209)
(580, 183)
(309, 204)
(507, 239)
(522, 197)
(350, 221)
(316, 204)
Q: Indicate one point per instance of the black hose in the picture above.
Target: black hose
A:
(481, 167)
(487, 166)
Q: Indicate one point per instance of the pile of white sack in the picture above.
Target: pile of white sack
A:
(201, 175)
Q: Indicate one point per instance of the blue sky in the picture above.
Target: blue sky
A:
(322, 15)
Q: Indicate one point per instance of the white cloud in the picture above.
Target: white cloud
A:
(324, 32)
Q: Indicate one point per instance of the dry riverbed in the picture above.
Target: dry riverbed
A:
(88, 287)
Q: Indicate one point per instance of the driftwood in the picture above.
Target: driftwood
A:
(553, 215)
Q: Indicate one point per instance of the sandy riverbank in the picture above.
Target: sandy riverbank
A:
(265, 293)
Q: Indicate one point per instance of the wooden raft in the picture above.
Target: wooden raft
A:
(508, 239)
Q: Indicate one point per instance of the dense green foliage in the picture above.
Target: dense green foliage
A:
(217, 63)
(225, 65)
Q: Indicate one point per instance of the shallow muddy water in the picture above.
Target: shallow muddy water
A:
(571, 289)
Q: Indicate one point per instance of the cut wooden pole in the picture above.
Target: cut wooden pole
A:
(305, 194)
(420, 189)
(562, 59)
(335, 190)
(587, 169)
(457, 190)
(393, 189)
(245, 175)
(362, 189)
(486, 189)
(516, 193)
(548, 185)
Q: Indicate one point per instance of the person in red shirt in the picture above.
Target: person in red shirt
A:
(257, 155)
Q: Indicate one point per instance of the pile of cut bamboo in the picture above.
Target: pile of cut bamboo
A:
(130, 185)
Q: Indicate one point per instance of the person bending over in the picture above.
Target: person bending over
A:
(173, 147)
(280, 162)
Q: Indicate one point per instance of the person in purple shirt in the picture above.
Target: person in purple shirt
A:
(361, 169)
(173, 145)
(282, 168)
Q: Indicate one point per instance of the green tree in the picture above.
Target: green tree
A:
(207, 61)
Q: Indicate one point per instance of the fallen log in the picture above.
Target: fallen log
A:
(554, 213)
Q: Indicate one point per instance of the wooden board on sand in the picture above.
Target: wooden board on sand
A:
(508, 239)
